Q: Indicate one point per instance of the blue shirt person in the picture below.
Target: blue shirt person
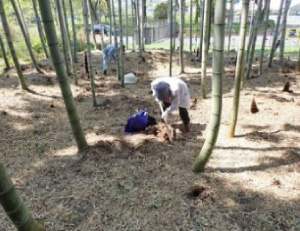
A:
(109, 53)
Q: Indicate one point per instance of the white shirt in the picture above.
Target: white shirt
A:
(180, 93)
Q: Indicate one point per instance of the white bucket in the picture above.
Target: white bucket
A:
(130, 78)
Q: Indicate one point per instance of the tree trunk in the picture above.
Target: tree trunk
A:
(116, 39)
(92, 23)
(298, 62)
(201, 30)
(218, 67)
(68, 41)
(74, 33)
(191, 27)
(283, 32)
(239, 68)
(142, 25)
(181, 33)
(230, 24)
(100, 25)
(120, 57)
(171, 36)
(139, 27)
(267, 8)
(89, 53)
(14, 206)
(12, 48)
(251, 32)
(59, 66)
(26, 35)
(63, 37)
(206, 36)
(133, 24)
(4, 53)
(110, 20)
(253, 43)
(127, 24)
(40, 29)
(272, 52)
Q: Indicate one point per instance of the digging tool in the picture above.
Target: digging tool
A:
(168, 130)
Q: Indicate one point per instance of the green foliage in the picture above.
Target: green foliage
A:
(161, 11)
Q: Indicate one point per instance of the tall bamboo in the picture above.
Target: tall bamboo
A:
(142, 24)
(298, 62)
(68, 41)
(267, 8)
(275, 34)
(171, 37)
(120, 57)
(89, 53)
(251, 32)
(74, 33)
(230, 23)
(100, 25)
(191, 26)
(239, 68)
(218, 67)
(126, 23)
(110, 20)
(253, 43)
(92, 23)
(63, 36)
(133, 24)
(116, 39)
(283, 32)
(40, 28)
(181, 33)
(25, 35)
(206, 36)
(202, 2)
(139, 27)
(4, 53)
(11, 47)
(59, 66)
(14, 206)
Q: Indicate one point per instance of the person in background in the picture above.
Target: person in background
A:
(109, 53)
(174, 93)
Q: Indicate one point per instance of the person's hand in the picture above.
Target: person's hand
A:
(156, 99)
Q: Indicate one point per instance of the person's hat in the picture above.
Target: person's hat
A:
(162, 91)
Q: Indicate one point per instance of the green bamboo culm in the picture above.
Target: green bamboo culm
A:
(63, 35)
(171, 37)
(60, 69)
(92, 23)
(230, 23)
(74, 33)
(275, 34)
(13, 205)
(133, 25)
(115, 37)
(202, 7)
(253, 42)
(138, 18)
(206, 21)
(191, 27)
(267, 7)
(120, 58)
(217, 69)
(181, 38)
(89, 52)
(298, 62)
(40, 29)
(283, 32)
(11, 47)
(4, 53)
(239, 68)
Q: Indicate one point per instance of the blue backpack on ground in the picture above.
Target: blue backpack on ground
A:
(137, 122)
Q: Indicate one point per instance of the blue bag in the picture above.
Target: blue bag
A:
(137, 122)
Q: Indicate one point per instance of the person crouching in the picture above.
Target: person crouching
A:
(174, 93)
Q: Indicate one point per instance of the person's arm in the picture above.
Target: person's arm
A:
(112, 54)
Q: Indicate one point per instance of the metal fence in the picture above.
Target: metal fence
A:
(156, 34)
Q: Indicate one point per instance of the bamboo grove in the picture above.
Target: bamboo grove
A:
(58, 37)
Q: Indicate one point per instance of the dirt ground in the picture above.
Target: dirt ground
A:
(141, 182)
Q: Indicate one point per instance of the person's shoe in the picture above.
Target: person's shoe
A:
(105, 72)
(186, 128)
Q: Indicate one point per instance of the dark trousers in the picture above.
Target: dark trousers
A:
(183, 113)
